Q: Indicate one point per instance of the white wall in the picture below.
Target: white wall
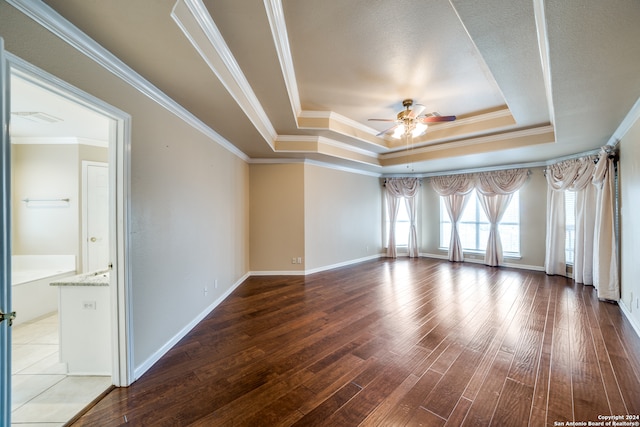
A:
(629, 176)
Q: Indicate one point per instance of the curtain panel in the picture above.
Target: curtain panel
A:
(454, 190)
(605, 254)
(397, 189)
(595, 248)
(494, 190)
(570, 175)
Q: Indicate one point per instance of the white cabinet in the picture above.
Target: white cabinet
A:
(85, 331)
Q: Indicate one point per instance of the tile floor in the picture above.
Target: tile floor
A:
(42, 394)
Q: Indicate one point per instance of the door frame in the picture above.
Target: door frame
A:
(119, 207)
(5, 244)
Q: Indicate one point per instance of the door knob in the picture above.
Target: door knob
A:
(93, 239)
(7, 316)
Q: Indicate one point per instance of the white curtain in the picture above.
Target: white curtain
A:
(494, 207)
(585, 226)
(571, 175)
(411, 205)
(605, 256)
(495, 190)
(454, 189)
(396, 189)
(393, 204)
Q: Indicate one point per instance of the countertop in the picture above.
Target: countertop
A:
(97, 278)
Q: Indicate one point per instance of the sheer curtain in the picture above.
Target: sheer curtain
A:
(396, 189)
(454, 189)
(495, 190)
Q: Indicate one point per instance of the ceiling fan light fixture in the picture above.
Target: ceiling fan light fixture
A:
(419, 129)
(398, 131)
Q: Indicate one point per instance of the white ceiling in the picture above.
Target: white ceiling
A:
(529, 80)
(73, 122)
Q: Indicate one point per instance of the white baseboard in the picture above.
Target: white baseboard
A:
(343, 264)
(627, 314)
(147, 364)
(481, 261)
(315, 270)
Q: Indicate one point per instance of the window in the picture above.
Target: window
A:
(474, 226)
(402, 226)
(570, 225)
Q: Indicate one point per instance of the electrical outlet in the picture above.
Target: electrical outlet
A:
(293, 260)
(215, 284)
(299, 260)
(205, 291)
(89, 305)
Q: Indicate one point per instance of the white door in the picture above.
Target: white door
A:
(5, 246)
(95, 184)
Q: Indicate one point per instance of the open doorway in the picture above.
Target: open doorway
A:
(54, 129)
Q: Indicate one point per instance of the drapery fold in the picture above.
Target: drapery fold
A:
(605, 255)
(595, 250)
(454, 190)
(494, 190)
(570, 175)
(396, 189)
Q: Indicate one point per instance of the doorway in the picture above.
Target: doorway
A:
(110, 137)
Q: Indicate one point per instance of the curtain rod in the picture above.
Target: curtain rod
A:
(498, 168)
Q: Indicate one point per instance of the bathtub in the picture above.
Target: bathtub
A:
(32, 297)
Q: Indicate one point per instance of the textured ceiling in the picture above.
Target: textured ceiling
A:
(528, 80)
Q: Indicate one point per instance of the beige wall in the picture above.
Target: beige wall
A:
(533, 202)
(49, 171)
(45, 172)
(189, 223)
(342, 217)
(276, 217)
(629, 175)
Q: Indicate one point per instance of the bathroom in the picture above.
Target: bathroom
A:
(56, 148)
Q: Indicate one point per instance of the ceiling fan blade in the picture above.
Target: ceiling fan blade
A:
(387, 130)
(381, 120)
(417, 110)
(437, 119)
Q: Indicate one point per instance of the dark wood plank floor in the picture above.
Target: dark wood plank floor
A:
(393, 343)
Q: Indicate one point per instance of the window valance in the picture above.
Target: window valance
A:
(488, 183)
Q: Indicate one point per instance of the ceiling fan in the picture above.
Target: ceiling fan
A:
(412, 121)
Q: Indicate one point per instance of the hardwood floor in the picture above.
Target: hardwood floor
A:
(392, 343)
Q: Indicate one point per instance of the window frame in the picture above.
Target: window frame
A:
(480, 220)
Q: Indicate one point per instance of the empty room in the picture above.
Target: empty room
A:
(332, 213)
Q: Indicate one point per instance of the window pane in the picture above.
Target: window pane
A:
(474, 226)
(402, 226)
(570, 225)
(510, 237)
(469, 213)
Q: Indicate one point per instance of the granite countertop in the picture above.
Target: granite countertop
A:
(97, 278)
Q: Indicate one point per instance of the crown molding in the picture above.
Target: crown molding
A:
(197, 25)
(60, 27)
(517, 134)
(543, 45)
(316, 139)
(278, 26)
(326, 165)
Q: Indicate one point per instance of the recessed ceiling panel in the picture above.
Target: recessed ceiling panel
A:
(361, 58)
